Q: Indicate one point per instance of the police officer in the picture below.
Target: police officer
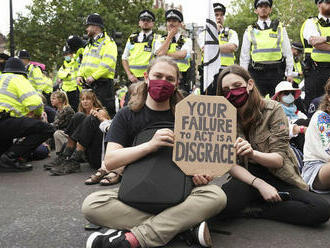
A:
(228, 43)
(315, 36)
(297, 50)
(3, 58)
(139, 49)
(98, 64)
(266, 50)
(19, 101)
(68, 74)
(176, 45)
(39, 81)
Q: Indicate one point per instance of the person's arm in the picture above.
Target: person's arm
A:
(269, 160)
(124, 61)
(267, 191)
(166, 44)
(287, 53)
(117, 155)
(232, 44)
(323, 46)
(245, 51)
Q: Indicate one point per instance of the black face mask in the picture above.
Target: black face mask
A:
(2, 66)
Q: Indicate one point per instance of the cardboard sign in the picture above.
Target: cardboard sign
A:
(205, 133)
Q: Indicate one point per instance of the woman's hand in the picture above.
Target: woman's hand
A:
(243, 148)
(100, 114)
(267, 191)
(200, 180)
(163, 137)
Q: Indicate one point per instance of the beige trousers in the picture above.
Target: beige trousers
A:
(60, 139)
(103, 208)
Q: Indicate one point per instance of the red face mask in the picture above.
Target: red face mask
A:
(160, 90)
(237, 97)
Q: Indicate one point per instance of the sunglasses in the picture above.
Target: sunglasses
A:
(287, 92)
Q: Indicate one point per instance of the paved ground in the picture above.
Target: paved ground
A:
(38, 211)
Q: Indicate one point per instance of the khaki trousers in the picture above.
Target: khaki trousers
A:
(60, 139)
(103, 208)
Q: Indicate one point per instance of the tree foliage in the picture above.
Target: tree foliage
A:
(291, 12)
(44, 30)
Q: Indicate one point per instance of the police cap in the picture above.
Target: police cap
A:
(95, 20)
(23, 54)
(15, 65)
(75, 42)
(258, 2)
(321, 1)
(147, 14)
(219, 7)
(174, 14)
(298, 46)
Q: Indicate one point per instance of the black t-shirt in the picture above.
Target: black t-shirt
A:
(127, 124)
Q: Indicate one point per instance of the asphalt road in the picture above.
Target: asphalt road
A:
(37, 211)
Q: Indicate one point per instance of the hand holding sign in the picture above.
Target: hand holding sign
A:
(205, 131)
(243, 147)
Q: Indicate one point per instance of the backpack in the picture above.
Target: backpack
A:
(154, 183)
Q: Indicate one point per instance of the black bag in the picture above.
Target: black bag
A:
(154, 183)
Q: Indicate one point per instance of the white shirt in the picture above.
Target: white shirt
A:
(130, 46)
(317, 144)
(286, 49)
(310, 28)
(233, 39)
(187, 46)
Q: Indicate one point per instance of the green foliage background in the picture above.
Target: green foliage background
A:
(290, 12)
(43, 32)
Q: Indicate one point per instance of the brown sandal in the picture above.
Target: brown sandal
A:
(112, 178)
(96, 178)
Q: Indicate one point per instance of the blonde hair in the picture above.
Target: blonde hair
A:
(325, 103)
(140, 91)
(61, 96)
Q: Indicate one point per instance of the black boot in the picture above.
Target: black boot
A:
(9, 162)
(68, 166)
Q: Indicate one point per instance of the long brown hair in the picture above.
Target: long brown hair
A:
(90, 95)
(140, 91)
(255, 103)
(325, 103)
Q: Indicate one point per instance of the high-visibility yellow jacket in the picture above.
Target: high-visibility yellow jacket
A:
(141, 54)
(68, 74)
(319, 55)
(38, 80)
(297, 68)
(18, 96)
(183, 64)
(227, 59)
(99, 59)
(266, 45)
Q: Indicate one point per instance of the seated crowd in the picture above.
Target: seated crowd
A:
(268, 132)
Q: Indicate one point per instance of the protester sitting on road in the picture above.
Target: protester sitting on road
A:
(263, 147)
(83, 136)
(20, 111)
(298, 122)
(316, 168)
(154, 101)
(64, 114)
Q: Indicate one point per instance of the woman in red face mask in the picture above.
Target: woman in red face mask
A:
(152, 101)
(271, 180)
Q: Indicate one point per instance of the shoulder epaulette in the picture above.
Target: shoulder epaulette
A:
(133, 38)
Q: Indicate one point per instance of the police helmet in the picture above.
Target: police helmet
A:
(75, 42)
(94, 19)
(23, 54)
(174, 14)
(147, 14)
(15, 65)
(219, 7)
